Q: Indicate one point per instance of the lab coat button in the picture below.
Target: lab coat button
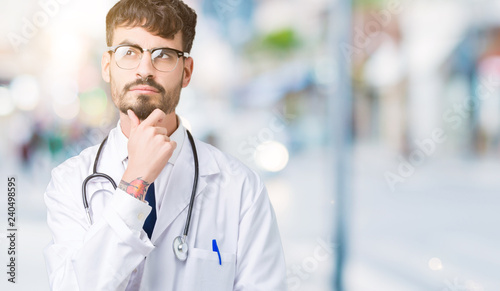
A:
(140, 216)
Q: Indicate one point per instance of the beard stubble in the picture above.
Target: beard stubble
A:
(143, 105)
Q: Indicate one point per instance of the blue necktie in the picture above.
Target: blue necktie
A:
(149, 224)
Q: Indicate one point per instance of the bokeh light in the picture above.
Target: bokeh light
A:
(435, 264)
(25, 92)
(6, 103)
(94, 102)
(271, 156)
(64, 91)
(67, 111)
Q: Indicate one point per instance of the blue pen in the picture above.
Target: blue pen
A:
(215, 248)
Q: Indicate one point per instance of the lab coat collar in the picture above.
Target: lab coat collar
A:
(178, 137)
(118, 142)
(178, 189)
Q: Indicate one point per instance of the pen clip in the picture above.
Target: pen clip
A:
(215, 248)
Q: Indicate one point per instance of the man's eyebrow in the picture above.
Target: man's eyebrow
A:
(131, 43)
(128, 42)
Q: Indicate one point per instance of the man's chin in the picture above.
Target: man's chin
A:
(142, 112)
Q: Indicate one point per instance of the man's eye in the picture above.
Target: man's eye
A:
(130, 52)
(163, 54)
(127, 52)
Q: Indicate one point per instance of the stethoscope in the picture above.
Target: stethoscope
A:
(179, 244)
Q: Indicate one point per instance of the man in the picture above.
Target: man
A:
(125, 241)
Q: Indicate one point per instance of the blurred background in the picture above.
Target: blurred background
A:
(375, 125)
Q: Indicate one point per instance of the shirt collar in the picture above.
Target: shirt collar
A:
(119, 141)
(177, 136)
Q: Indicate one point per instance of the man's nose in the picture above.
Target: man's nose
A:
(146, 70)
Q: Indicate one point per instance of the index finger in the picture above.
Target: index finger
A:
(134, 120)
(154, 118)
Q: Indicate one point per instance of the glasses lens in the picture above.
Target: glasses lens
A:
(128, 57)
(164, 59)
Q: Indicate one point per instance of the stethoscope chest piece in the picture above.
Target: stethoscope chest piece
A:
(180, 248)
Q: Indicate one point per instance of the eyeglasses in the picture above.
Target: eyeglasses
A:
(129, 57)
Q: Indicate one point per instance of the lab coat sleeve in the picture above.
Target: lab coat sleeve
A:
(97, 257)
(260, 258)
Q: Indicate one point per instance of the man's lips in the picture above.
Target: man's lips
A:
(144, 89)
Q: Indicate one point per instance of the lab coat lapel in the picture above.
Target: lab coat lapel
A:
(179, 187)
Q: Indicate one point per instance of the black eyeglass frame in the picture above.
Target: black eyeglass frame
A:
(151, 50)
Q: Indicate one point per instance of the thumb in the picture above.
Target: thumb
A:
(134, 120)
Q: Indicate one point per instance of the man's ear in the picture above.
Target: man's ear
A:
(105, 63)
(188, 71)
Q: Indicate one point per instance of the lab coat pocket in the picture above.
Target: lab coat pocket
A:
(203, 271)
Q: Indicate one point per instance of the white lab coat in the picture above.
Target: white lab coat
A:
(231, 206)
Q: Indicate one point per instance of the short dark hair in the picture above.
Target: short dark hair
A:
(161, 17)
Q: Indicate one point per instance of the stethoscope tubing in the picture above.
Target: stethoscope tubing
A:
(94, 174)
(195, 184)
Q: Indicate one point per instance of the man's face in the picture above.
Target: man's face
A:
(144, 88)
